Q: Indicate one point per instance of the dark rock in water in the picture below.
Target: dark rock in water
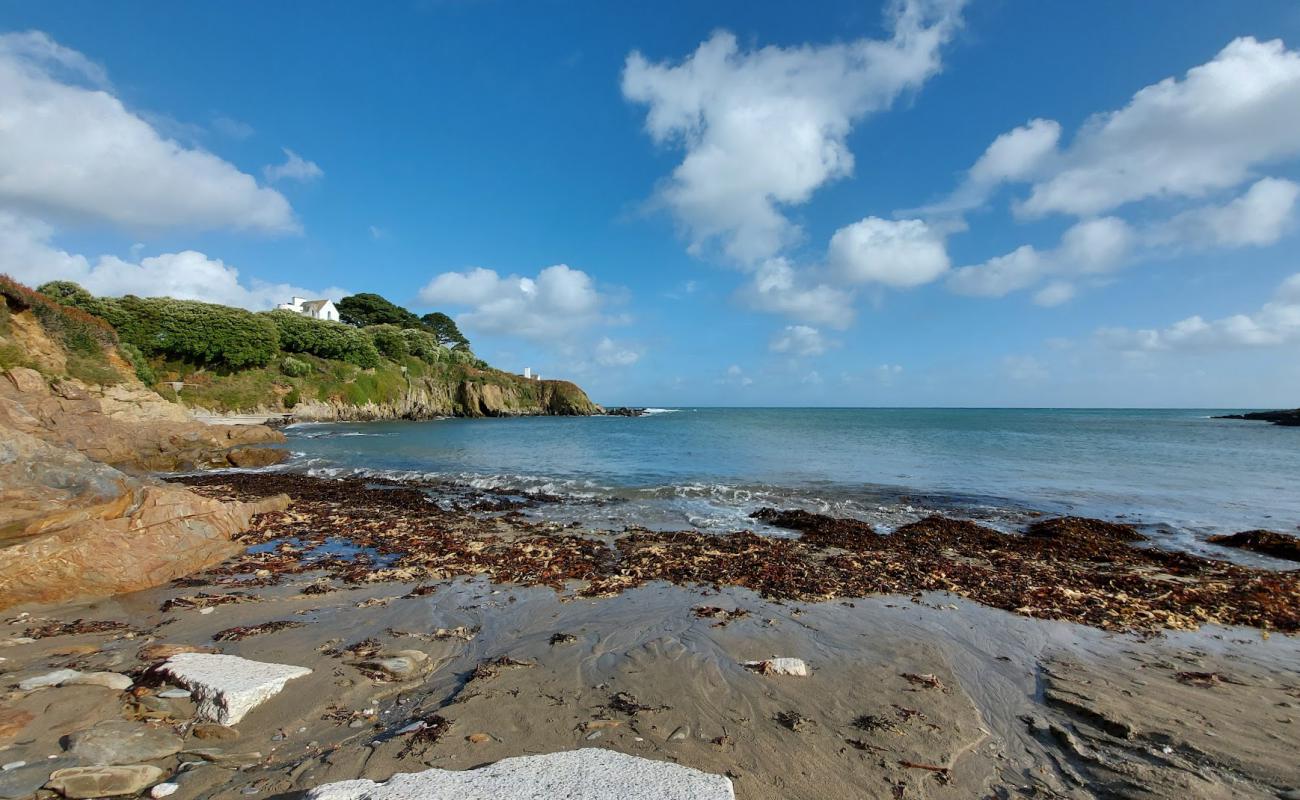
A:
(624, 411)
(1278, 545)
(1287, 419)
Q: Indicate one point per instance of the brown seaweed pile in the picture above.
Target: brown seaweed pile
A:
(1080, 570)
(1277, 545)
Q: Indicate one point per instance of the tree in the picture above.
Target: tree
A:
(368, 308)
(444, 328)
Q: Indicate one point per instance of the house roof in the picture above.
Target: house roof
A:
(314, 305)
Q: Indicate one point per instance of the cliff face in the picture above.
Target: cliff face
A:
(484, 395)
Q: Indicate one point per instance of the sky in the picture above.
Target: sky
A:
(913, 203)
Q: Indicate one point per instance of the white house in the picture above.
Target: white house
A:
(316, 309)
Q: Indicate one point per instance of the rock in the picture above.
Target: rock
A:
(1287, 419)
(163, 790)
(63, 513)
(71, 677)
(12, 722)
(214, 756)
(175, 694)
(22, 782)
(87, 782)
(404, 665)
(1277, 545)
(778, 666)
(253, 457)
(162, 652)
(587, 774)
(121, 742)
(47, 680)
(13, 765)
(109, 680)
(210, 731)
(228, 687)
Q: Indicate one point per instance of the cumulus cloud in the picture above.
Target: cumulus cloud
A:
(1182, 138)
(779, 287)
(70, 149)
(612, 354)
(1259, 217)
(1015, 156)
(1277, 322)
(735, 376)
(901, 253)
(30, 257)
(294, 168)
(886, 374)
(763, 129)
(556, 303)
(799, 340)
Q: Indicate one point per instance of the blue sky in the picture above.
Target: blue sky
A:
(732, 203)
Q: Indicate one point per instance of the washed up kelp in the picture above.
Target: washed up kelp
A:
(1080, 570)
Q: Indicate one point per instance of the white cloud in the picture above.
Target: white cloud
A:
(1054, 293)
(70, 149)
(30, 257)
(612, 354)
(1183, 138)
(902, 253)
(886, 374)
(294, 168)
(763, 129)
(1090, 247)
(735, 376)
(1277, 322)
(553, 305)
(1015, 156)
(813, 378)
(781, 288)
(1259, 217)
(799, 340)
(1024, 369)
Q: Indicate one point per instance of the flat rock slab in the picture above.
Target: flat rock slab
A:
(588, 774)
(86, 782)
(228, 687)
(122, 742)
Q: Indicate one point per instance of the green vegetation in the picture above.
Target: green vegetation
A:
(317, 337)
(295, 368)
(230, 359)
(86, 338)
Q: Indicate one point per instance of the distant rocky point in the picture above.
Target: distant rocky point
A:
(1287, 419)
(624, 411)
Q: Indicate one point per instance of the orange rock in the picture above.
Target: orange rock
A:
(12, 722)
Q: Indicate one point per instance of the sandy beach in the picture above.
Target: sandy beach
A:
(924, 695)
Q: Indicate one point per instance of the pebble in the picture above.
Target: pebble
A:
(680, 733)
(13, 765)
(175, 694)
(163, 789)
(356, 723)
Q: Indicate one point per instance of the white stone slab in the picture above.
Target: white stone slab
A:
(589, 774)
(779, 666)
(228, 687)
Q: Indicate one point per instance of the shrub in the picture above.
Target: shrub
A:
(293, 397)
(76, 330)
(295, 367)
(424, 346)
(322, 338)
(367, 309)
(388, 341)
(194, 332)
(143, 370)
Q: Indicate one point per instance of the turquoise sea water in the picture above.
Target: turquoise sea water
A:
(1179, 472)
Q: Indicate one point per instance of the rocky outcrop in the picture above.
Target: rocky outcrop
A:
(74, 528)
(1286, 418)
(1277, 545)
(499, 395)
(125, 426)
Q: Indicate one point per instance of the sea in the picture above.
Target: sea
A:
(1178, 474)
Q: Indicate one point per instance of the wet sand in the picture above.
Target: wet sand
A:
(929, 695)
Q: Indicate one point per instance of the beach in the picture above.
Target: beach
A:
(452, 631)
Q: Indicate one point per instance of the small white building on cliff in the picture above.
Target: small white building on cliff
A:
(316, 309)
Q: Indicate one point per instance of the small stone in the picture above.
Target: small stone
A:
(163, 790)
(357, 723)
(175, 694)
(207, 610)
(87, 782)
(595, 735)
(213, 732)
(13, 765)
(478, 738)
(162, 652)
(214, 756)
(109, 680)
(680, 733)
(779, 666)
